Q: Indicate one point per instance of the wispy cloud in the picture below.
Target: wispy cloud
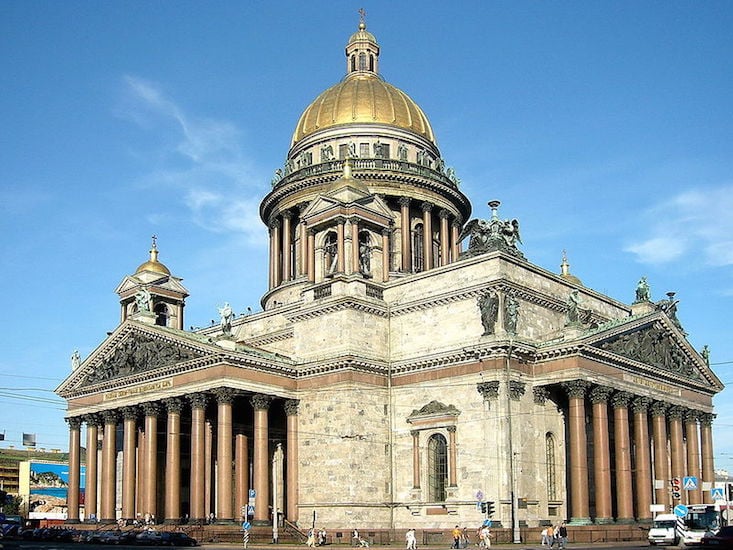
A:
(697, 222)
(201, 158)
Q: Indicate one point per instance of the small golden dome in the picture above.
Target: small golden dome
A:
(363, 97)
(153, 264)
(565, 271)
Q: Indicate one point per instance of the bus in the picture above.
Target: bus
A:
(700, 519)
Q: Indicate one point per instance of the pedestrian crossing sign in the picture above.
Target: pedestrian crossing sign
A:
(717, 493)
(689, 483)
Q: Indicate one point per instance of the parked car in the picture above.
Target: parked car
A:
(177, 538)
(723, 539)
(149, 538)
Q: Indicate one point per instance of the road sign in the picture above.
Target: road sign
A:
(680, 511)
(689, 483)
(252, 493)
(487, 523)
(717, 493)
(479, 495)
(246, 525)
(250, 510)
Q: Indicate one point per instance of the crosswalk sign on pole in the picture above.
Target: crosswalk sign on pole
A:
(689, 483)
(717, 493)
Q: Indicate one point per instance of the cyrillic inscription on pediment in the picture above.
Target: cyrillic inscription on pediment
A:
(138, 353)
(654, 347)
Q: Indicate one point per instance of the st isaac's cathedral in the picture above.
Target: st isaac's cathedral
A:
(409, 363)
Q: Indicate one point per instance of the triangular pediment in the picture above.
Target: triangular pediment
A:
(657, 343)
(134, 349)
(367, 207)
(166, 282)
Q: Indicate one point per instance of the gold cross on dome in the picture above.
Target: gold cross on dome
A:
(155, 241)
(362, 15)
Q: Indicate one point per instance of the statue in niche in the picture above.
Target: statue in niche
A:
(643, 292)
(511, 313)
(488, 305)
(365, 253)
(226, 316)
(402, 152)
(143, 300)
(330, 250)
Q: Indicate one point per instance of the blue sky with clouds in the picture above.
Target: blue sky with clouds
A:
(605, 127)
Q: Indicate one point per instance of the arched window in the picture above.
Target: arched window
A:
(353, 63)
(330, 253)
(437, 467)
(161, 314)
(418, 249)
(551, 474)
(362, 61)
(371, 63)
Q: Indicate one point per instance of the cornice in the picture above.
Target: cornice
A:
(270, 338)
(327, 306)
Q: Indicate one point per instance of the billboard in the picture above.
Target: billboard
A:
(48, 489)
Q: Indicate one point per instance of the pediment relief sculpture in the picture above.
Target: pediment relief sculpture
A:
(654, 347)
(434, 408)
(135, 354)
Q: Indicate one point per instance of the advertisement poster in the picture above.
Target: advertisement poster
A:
(49, 484)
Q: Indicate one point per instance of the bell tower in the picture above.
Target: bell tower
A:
(152, 295)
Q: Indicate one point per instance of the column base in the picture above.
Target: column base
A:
(72, 521)
(172, 521)
(261, 522)
(625, 521)
(225, 521)
(580, 521)
(603, 521)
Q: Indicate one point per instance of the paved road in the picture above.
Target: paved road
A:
(32, 545)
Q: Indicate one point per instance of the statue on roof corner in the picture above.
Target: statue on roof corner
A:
(491, 235)
(643, 292)
(143, 300)
(226, 315)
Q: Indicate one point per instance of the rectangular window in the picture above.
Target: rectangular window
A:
(343, 151)
(364, 150)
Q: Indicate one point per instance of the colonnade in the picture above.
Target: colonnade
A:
(226, 460)
(293, 242)
(680, 446)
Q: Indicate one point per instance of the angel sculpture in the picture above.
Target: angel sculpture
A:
(490, 235)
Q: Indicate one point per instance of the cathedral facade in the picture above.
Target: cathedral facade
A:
(410, 368)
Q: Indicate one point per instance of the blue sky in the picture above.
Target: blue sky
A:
(605, 127)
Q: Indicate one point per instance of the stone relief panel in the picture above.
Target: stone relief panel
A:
(653, 346)
(138, 353)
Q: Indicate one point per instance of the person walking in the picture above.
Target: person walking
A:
(410, 540)
(550, 536)
(543, 537)
(563, 535)
(456, 537)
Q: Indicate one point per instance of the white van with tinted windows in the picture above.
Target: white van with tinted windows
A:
(664, 530)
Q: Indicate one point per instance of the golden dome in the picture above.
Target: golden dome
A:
(153, 264)
(363, 97)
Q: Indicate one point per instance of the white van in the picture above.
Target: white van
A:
(664, 530)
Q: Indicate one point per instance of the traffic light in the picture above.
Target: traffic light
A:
(676, 488)
(490, 508)
(483, 507)
(729, 486)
